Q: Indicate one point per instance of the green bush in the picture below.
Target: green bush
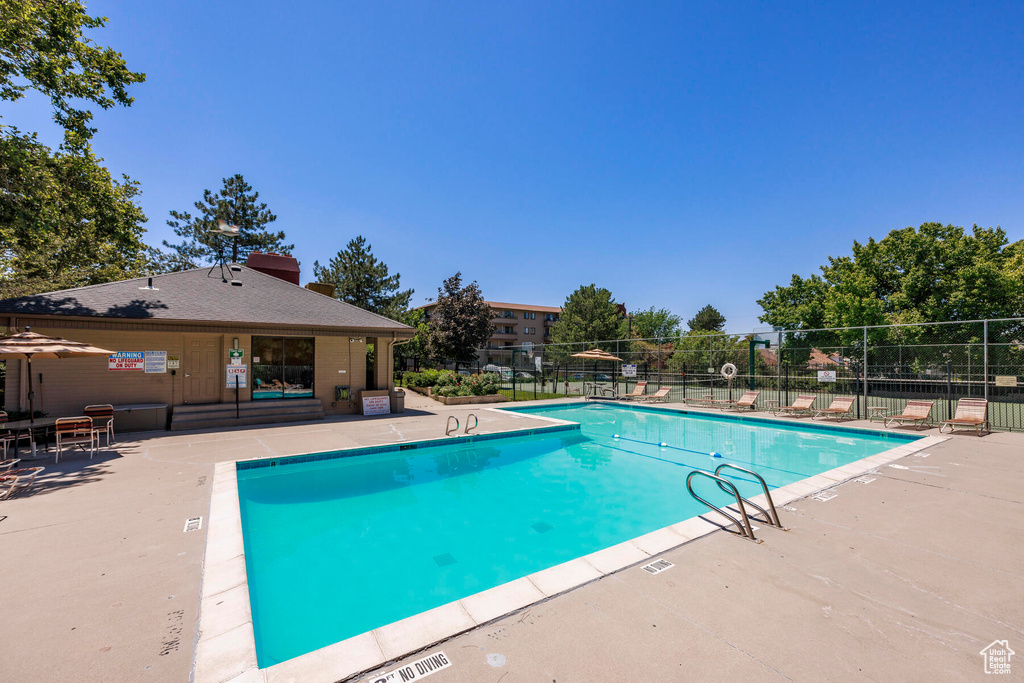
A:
(450, 384)
(427, 378)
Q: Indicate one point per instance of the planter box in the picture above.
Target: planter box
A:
(467, 400)
(420, 390)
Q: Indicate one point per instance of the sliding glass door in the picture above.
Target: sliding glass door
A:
(282, 367)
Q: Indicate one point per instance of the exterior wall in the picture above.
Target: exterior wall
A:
(69, 384)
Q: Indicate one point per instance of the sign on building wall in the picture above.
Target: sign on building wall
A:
(826, 375)
(127, 360)
(236, 371)
(155, 361)
(376, 405)
(173, 362)
(235, 356)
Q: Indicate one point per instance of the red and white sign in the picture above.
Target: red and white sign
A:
(127, 360)
(376, 405)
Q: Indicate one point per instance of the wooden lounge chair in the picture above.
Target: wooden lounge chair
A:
(102, 421)
(706, 401)
(971, 413)
(747, 400)
(841, 406)
(918, 413)
(75, 431)
(638, 392)
(658, 396)
(801, 406)
(14, 480)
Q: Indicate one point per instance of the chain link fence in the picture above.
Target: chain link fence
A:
(882, 366)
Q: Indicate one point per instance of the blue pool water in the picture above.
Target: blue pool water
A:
(336, 546)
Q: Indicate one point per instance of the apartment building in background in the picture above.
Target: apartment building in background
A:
(515, 325)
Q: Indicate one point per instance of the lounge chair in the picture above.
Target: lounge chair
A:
(102, 421)
(75, 431)
(638, 392)
(801, 406)
(917, 413)
(970, 413)
(13, 480)
(841, 406)
(658, 396)
(706, 401)
(747, 400)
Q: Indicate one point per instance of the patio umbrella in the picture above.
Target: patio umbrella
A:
(29, 344)
(596, 355)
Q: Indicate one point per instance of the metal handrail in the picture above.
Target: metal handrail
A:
(771, 517)
(447, 426)
(743, 523)
(476, 422)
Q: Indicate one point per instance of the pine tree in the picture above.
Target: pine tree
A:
(360, 279)
(236, 204)
(708, 319)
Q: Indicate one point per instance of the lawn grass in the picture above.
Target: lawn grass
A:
(527, 395)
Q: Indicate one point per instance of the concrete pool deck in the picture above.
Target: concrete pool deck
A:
(901, 578)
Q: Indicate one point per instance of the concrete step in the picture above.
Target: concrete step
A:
(214, 415)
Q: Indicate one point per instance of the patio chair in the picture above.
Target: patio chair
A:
(971, 413)
(747, 400)
(705, 401)
(638, 392)
(75, 431)
(102, 420)
(917, 413)
(6, 437)
(657, 397)
(6, 465)
(18, 479)
(841, 406)
(801, 406)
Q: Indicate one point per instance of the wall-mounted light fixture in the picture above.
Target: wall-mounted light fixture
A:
(355, 340)
(234, 343)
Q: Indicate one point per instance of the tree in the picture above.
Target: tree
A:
(588, 315)
(237, 204)
(362, 280)
(415, 348)
(929, 274)
(460, 323)
(64, 221)
(708, 319)
(655, 324)
(43, 47)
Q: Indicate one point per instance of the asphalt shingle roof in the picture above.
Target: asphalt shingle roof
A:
(202, 295)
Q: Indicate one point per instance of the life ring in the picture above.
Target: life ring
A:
(729, 371)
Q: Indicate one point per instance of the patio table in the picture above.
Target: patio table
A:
(19, 427)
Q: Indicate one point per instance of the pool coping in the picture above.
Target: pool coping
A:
(226, 644)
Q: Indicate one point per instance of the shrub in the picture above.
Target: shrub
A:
(427, 378)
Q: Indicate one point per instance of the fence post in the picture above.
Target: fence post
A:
(949, 389)
(865, 370)
(778, 367)
(985, 334)
(659, 362)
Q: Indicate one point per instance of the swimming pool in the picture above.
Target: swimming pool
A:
(337, 544)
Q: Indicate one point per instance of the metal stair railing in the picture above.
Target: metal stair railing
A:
(743, 522)
(771, 516)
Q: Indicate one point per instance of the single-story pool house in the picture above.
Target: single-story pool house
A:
(191, 344)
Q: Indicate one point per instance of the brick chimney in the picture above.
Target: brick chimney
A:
(278, 265)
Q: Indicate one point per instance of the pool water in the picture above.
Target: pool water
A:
(340, 546)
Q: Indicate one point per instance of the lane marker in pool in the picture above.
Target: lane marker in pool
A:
(657, 566)
(415, 671)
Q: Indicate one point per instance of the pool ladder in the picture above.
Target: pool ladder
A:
(742, 522)
(448, 429)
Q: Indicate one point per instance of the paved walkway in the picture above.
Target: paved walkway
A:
(905, 578)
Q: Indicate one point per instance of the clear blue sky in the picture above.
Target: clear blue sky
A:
(676, 153)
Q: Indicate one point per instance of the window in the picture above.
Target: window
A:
(530, 316)
(551, 317)
(282, 367)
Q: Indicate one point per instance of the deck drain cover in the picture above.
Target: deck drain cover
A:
(444, 560)
(193, 524)
(542, 527)
(657, 566)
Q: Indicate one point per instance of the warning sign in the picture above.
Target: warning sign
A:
(127, 360)
(826, 375)
(415, 671)
(376, 405)
(236, 372)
